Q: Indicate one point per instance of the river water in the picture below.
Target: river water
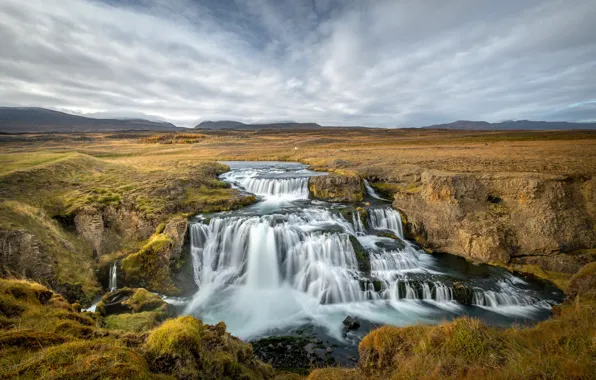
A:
(290, 265)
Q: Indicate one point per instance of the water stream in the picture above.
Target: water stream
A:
(288, 264)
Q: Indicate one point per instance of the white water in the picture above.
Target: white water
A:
(113, 277)
(386, 219)
(372, 191)
(279, 267)
(288, 188)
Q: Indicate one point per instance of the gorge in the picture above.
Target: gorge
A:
(294, 265)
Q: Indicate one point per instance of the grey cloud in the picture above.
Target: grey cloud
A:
(378, 63)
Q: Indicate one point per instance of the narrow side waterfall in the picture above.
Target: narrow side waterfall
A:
(386, 219)
(113, 277)
(288, 262)
(370, 191)
(357, 223)
(288, 188)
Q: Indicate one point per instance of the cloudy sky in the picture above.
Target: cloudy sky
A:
(390, 63)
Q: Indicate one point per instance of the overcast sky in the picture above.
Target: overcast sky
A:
(375, 63)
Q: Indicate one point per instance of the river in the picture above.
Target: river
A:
(290, 265)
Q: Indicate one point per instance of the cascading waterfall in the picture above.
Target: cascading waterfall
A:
(370, 191)
(286, 264)
(263, 252)
(113, 285)
(386, 219)
(289, 188)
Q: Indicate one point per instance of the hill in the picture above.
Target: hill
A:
(230, 124)
(35, 120)
(512, 125)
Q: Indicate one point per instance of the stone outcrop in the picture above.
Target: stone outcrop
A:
(107, 228)
(502, 217)
(23, 254)
(152, 267)
(337, 188)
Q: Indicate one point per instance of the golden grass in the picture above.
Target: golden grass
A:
(46, 338)
(559, 348)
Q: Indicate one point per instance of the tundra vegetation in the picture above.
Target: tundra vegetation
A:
(73, 204)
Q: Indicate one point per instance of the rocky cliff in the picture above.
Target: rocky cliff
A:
(500, 218)
(337, 188)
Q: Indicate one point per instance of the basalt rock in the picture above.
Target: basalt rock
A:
(493, 218)
(23, 254)
(351, 323)
(337, 188)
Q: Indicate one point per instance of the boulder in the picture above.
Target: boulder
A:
(351, 323)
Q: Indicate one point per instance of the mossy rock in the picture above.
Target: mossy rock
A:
(131, 300)
(150, 267)
(192, 350)
(362, 255)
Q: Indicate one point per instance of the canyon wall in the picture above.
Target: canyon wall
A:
(501, 218)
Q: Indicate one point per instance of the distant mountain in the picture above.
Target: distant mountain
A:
(512, 125)
(23, 120)
(230, 124)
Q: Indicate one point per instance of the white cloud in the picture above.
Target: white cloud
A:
(377, 63)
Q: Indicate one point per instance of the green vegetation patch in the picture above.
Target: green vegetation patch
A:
(150, 267)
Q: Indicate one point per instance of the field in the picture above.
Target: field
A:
(141, 185)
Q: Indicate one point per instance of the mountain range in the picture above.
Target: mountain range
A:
(512, 125)
(36, 120)
(230, 124)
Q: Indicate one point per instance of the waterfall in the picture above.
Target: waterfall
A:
(386, 219)
(287, 188)
(372, 191)
(357, 223)
(274, 250)
(507, 295)
(113, 285)
(275, 266)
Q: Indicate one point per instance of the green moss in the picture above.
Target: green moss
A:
(150, 267)
(102, 358)
(9, 307)
(136, 322)
(186, 347)
(73, 263)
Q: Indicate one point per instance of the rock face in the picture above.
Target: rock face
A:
(23, 254)
(153, 265)
(106, 229)
(498, 218)
(337, 188)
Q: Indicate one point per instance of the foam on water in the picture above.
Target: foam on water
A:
(295, 265)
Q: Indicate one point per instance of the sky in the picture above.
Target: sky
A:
(377, 63)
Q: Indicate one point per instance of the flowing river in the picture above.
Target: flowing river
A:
(290, 265)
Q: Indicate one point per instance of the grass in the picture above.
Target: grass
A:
(187, 347)
(174, 138)
(42, 193)
(44, 337)
(137, 322)
(559, 348)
